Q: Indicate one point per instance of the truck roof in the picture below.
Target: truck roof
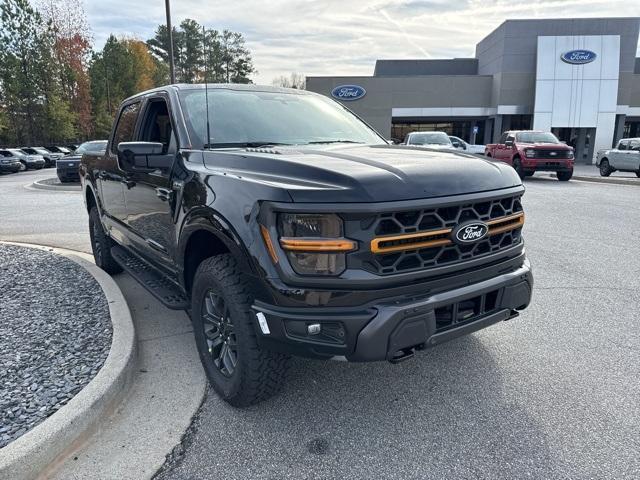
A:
(226, 86)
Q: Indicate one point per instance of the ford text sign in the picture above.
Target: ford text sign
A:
(578, 57)
(348, 92)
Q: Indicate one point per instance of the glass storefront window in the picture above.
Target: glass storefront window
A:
(457, 128)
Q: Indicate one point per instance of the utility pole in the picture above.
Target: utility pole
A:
(172, 67)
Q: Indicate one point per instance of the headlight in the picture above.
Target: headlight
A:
(570, 154)
(314, 243)
(530, 153)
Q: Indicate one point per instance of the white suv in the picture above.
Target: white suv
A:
(624, 158)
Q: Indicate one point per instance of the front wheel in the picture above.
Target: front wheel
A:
(223, 323)
(605, 168)
(101, 244)
(564, 176)
(517, 165)
(638, 174)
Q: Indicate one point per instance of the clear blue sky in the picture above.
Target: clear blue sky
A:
(343, 37)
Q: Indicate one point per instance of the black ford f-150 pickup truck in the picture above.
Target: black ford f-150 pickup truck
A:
(286, 225)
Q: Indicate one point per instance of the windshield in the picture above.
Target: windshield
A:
(62, 149)
(253, 118)
(17, 153)
(429, 138)
(536, 137)
(93, 147)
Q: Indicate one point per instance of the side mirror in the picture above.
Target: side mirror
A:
(508, 143)
(455, 143)
(143, 156)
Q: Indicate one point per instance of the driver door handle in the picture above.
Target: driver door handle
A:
(163, 194)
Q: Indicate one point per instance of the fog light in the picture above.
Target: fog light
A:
(313, 329)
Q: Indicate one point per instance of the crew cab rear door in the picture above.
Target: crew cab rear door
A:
(150, 196)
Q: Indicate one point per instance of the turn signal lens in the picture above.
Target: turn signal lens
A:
(317, 245)
(267, 241)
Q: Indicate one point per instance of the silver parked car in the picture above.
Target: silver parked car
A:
(437, 140)
(624, 158)
(460, 144)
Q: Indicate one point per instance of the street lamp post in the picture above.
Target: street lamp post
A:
(172, 68)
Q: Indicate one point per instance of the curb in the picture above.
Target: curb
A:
(55, 186)
(37, 450)
(609, 180)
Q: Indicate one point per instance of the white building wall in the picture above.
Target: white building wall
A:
(579, 96)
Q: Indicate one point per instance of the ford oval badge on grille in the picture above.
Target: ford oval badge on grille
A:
(470, 232)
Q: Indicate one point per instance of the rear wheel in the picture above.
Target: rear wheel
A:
(23, 166)
(564, 176)
(605, 168)
(101, 244)
(237, 368)
(517, 165)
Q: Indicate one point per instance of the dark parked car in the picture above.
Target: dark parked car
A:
(67, 166)
(9, 163)
(58, 149)
(28, 160)
(285, 225)
(50, 158)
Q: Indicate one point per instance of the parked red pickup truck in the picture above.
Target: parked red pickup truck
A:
(529, 151)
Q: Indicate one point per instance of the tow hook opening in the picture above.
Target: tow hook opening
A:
(403, 354)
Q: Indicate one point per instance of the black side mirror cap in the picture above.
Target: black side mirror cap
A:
(143, 156)
(508, 143)
(140, 148)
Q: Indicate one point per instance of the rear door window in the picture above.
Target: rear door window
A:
(126, 125)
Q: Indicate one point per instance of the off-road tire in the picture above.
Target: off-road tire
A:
(564, 176)
(605, 168)
(258, 373)
(101, 244)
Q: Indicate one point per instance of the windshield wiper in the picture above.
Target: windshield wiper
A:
(332, 141)
(243, 144)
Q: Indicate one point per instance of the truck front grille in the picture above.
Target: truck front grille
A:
(421, 239)
(552, 154)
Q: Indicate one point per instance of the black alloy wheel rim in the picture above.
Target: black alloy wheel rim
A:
(219, 333)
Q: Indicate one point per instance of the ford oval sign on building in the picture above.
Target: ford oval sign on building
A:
(578, 57)
(348, 92)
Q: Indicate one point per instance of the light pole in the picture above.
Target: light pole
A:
(172, 68)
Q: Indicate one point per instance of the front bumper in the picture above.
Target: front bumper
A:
(546, 164)
(10, 167)
(380, 330)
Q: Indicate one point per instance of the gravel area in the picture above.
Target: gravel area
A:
(55, 334)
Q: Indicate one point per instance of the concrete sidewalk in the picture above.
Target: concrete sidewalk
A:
(168, 388)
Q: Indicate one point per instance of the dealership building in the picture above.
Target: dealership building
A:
(578, 78)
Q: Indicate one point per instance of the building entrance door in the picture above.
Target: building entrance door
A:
(581, 139)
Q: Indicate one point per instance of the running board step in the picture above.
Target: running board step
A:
(161, 288)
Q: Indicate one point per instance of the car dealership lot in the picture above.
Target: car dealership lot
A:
(551, 394)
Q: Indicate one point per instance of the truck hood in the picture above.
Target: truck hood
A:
(550, 146)
(363, 173)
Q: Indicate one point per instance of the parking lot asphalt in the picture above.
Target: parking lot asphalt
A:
(551, 394)
(43, 217)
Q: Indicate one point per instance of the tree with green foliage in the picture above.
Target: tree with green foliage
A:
(35, 107)
(225, 53)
